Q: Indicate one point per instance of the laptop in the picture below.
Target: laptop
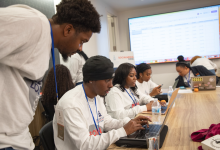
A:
(164, 108)
(163, 96)
(203, 82)
(138, 140)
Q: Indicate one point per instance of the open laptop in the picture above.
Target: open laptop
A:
(138, 140)
(164, 109)
(204, 82)
(163, 96)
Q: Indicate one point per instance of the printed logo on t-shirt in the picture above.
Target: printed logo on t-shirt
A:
(34, 91)
(101, 118)
(99, 114)
(93, 131)
(134, 104)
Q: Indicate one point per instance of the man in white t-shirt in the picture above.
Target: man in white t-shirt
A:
(25, 47)
(87, 126)
(75, 66)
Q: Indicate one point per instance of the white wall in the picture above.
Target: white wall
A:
(99, 42)
(162, 73)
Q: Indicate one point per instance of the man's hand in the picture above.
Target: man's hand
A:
(156, 91)
(136, 124)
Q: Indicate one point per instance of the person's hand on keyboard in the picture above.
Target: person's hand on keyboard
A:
(136, 124)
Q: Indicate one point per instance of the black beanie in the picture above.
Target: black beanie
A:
(98, 68)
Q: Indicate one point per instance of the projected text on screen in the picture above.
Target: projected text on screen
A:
(161, 38)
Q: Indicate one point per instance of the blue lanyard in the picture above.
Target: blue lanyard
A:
(188, 79)
(97, 128)
(134, 100)
(53, 57)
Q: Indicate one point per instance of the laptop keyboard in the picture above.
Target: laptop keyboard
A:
(152, 128)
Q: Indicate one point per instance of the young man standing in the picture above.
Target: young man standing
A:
(25, 50)
(81, 121)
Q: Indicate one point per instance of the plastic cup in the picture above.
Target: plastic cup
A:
(153, 140)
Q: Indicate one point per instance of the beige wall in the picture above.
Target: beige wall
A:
(99, 42)
(162, 73)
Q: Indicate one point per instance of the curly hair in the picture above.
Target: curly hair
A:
(80, 13)
(121, 74)
(64, 84)
(194, 58)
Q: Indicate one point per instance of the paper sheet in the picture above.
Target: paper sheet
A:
(185, 91)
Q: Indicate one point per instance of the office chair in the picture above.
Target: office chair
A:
(46, 136)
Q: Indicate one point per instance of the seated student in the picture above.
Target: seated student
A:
(84, 114)
(76, 63)
(124, 99)
(144, 83)
(64, 84)
(208, 64)
(186, 72)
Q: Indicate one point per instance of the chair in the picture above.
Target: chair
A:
(46, 136)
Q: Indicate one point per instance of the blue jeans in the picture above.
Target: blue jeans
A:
(213, 71)
(8, 148)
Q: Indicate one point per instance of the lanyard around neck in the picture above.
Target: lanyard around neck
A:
(53, 58)
(97, 127)
(188, 79)
(134, 100)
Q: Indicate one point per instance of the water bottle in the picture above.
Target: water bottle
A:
(156, 111)
(169, 94)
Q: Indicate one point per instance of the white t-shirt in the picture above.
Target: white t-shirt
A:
(25, 46)
(188, 77)
(119, 104)
(146, 87)
(79, 129)
(204, 62)
(75, 67)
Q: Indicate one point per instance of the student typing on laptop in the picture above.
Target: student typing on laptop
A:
(186, 72)
(84, 115)
(124, 99)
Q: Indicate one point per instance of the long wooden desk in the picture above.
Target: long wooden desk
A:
(191, 112)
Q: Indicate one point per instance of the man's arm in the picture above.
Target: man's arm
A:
(76, 130)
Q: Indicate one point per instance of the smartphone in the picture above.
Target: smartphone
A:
(160, 86)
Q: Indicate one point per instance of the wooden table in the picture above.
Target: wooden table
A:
(190, 113)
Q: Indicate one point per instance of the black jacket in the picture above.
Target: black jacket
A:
(201, 70)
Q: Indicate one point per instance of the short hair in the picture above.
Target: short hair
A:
(121, 74)
(183, 65)
(194, 58)
(141, 68)
(80, 13)
(180, 58)
(64, 84)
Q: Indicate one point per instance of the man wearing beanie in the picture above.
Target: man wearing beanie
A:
(86, 124)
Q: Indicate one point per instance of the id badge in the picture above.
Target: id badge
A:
(134, 104)
(60, 123)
